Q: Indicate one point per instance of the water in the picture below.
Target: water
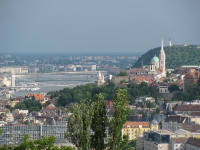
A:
(52, 82)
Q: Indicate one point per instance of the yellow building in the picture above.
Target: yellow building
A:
(16, 100)
(133, 129)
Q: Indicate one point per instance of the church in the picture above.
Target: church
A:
(156, 66)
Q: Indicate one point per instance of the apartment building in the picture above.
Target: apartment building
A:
(13, 133)
(133, 129)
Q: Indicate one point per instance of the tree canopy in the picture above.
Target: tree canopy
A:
(43, 143)
(108, 91)
(31, 105)
(123, 73)
(92, 116)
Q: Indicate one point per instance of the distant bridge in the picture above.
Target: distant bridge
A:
(62, 73)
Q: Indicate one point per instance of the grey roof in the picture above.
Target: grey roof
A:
(154, 122)
(157, 117)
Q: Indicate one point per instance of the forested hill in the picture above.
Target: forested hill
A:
(175, 56)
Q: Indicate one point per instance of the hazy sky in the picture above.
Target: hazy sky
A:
(96, 25)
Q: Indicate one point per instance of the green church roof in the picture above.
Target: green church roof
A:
(155, 59)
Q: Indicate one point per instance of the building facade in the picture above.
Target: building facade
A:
(12, 134)
(134, 129)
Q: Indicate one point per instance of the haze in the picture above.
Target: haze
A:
(97, 25)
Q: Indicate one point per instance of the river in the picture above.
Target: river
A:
(47, 82)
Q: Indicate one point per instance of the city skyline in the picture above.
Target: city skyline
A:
(96, 26)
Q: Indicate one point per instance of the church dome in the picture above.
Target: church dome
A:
(155, 59)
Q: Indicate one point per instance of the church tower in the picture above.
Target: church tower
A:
(162, 60)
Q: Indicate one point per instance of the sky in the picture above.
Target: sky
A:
(114, 26)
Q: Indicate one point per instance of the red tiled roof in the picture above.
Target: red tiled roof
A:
(38, 96)
(29, 95)
(144, 78)
(136, 124)
(108, 103)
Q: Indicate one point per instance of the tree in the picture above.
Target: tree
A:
(123, 81)
(26, 122)
(31, 105)
(149, 104)
(131, 145)
(123, 73)
(43, 143)
(173, 88)
(157, 110)
(121, 114)
(99, 123)
(78, 126)
(1, 131)
(167, 74)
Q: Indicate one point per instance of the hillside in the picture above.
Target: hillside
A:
(175, 56)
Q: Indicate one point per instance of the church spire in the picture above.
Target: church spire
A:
(162, 60)
(162, 45)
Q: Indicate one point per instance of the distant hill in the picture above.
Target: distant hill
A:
(175, 56)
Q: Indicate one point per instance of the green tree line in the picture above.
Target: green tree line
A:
(43, 143)
(108, 90)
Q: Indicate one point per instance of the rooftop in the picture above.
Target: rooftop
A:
(193, 141)
(179, 140)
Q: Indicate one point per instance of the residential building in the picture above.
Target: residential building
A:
(173, 123)
(145, 98)
(133, 129)
(12, 133)
(186, 110)
(192, 76)
(19, 111)
(170, 105)
(14, 101)
(191, 127)
(163, 88)
(39, 97)
(157, 140)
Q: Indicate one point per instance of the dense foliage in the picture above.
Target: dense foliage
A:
(193, 93)
(108, 90)
(121, 113)
(173, 88)
(123, 73)
(43, 143)
(86, 116)
(78, 126)
(31, 105)
(175, 56)
(131, 145)
(99, 123)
